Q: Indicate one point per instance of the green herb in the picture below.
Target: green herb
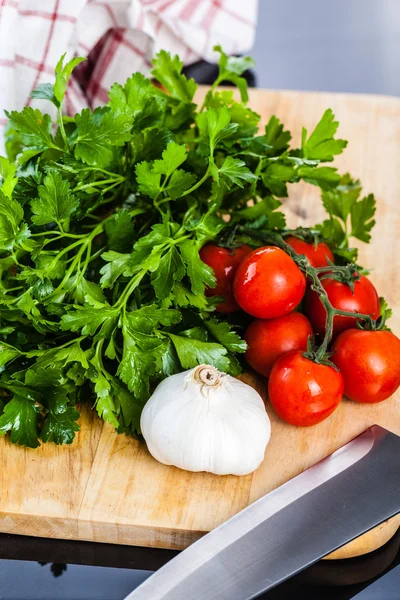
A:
(349, 216)
(102, 216)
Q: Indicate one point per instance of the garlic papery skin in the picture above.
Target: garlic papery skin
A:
(205, 420)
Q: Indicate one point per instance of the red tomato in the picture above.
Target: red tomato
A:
(224, 262)
(268, 339)
(268, 283)
(303, 392)
(364, 300)
(317, 254)
(369, 362)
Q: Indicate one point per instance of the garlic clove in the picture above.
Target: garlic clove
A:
(205, 420)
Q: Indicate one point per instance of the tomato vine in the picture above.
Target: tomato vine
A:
(348, 273)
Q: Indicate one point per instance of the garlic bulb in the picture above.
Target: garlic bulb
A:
(205, 420)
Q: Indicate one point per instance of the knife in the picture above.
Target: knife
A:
(351, 491)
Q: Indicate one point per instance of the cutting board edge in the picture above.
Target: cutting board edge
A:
(97, 531)
(161, 537)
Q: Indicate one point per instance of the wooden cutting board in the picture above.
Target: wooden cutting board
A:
(107, 488)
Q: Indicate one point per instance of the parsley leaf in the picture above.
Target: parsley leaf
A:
(183, 297)
(171, 269)
(200, 274)
(324, 177)
(276, 137)
(105, 404)
(63, 73)
(21, 416)
(192, 352)
(71, 353)
(89, 319)
(276, 176)
(362, 221)
(225, 335)
(172, 158)
(343, 203)
(117, 264)
(56, 203)
(120, 232)
(175, 181)
(98, 132)
(263, 213)
(33, 127)
(144, 347)
(321, 144)
(214, 126)
(12, 231)
(179, 183)
(168, 71)
(136, 98)
(60, 424)
(45, 91)
(129, 418)
(7, 354)
(338, 202)
(235, 171)
(55, 93)
(231, 68)
(149, 181)
(7, 174)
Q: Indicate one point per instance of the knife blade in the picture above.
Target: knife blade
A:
(351, 491)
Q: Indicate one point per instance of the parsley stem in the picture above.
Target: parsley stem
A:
(210, 92)
(15, 258)
(59, 234)
(14, 289)
(198, 184)
(87, 261)
(73, 341)
(123, 299)
(76, 259)
(45, 233)
(97, 169)
(97, 254)
(61, 126)
(100, 182)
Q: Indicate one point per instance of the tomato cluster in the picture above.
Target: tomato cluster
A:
(267, 284)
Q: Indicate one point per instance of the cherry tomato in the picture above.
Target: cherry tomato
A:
(364, 300)
(317, 254)
(268, 339)
(224, 262)
(369, 362)
(268, 283)
(303, 392)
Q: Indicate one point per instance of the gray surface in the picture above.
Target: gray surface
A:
(21, 580)
(330, 45)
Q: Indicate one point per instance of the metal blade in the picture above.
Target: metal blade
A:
(346, 494)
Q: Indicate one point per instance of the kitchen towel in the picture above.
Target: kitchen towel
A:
(119, 37)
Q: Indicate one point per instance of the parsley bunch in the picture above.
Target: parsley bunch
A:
(102, 291)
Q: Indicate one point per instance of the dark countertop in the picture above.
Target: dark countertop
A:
(43, 569)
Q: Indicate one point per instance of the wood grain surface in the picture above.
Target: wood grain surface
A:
(107, 488)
